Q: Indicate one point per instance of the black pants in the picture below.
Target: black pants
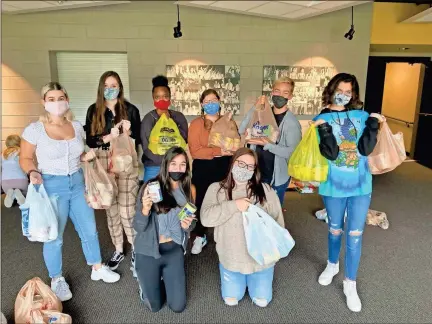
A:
(171, 268)
(204, 173)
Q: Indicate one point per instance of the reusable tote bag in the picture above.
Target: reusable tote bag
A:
(306, 162)
(123, 155)
(224, 134)
(266, 240)
(389, 152)
(164, 135)
(263, 124)
(39, 215)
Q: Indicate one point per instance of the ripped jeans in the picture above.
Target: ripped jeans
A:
(259, 285)
(357, 208)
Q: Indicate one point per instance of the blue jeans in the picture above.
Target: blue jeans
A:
(150, 172)
(357, 209)
(280, 190)
(259, 285)
(71, 203)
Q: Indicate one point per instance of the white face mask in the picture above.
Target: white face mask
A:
(57, 108)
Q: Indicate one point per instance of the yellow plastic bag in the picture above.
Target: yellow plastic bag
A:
(164, 135)
(306, 162)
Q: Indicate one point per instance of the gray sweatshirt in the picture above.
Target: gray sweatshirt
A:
(289, 137)
(147, 124)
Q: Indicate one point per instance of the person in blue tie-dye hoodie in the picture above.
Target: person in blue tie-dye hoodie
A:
(347, 136)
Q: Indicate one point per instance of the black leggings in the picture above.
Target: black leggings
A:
(171, 268)
(204, 173)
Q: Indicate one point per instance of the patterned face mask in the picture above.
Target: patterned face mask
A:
(341, 99)
(241, 175)
(111, 93)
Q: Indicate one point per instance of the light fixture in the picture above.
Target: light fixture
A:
(350, 34)
(177, 29)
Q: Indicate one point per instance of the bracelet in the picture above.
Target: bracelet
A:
(28, 173)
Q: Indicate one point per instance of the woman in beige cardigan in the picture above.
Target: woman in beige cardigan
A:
(222, 209)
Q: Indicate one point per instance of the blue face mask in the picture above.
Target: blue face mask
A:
(111, 93)
(341, 99)
(211, 108)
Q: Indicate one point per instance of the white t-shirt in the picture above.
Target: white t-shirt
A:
(56, 157)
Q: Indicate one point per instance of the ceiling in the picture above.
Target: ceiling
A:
(291, 10)
(422, 17)
(15, 7)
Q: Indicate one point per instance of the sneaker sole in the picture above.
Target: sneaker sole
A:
(106, 281)
(66, 299)
(196, 253)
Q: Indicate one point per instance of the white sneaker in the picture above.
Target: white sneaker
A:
(19, 197)
(105, 274)
(198, 244)
(9, 199)
(352, 299)
(60, 287)
(329, 272)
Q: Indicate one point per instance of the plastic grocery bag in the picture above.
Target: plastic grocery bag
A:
(101, 188)
(266, 240)
(389, 151)
(263, 124)
(36, 303)
(164, 135)
(224, 134)
(123, 155)
(306, 162)
(39, 215)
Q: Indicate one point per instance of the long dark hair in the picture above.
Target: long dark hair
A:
(254, 187)
(331, 87)
(208, 123)
(168, 201)
(99, 122)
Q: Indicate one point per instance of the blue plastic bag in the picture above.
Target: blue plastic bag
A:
(266, 240)
(39, 215)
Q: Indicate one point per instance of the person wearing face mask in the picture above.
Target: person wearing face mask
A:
(161, 93)
(222, 209)
(57, 140)
(162, 237)
(205, 158)
(274, 157)
(347, 136)
(106, 119)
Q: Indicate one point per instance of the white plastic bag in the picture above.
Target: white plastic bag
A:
(266, 240)
(39, 215)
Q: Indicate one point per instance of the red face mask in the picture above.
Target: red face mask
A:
(162, 104)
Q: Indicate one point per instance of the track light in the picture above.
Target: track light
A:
(350, 34)
(177, 29)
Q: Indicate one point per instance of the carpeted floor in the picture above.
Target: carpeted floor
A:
(395, 278)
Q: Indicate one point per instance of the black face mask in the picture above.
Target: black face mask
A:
(279, 101)
(176, 176)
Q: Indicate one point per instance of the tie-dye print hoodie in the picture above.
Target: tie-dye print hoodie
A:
(346, 139)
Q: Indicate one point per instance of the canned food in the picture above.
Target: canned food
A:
(188, 210)
(155, 191)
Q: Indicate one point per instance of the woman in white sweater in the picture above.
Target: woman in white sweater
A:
(222, 209)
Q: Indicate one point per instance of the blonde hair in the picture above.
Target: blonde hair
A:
(285, 80)
(50, 86)
(13, 143)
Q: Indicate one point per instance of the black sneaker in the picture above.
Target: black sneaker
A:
(115, 260)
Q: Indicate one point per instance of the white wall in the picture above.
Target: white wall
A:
(144, 30)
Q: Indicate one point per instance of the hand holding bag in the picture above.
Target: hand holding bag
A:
(123, 155)
(266, 240)
(263, 124)
(164, 135)
(389, 152)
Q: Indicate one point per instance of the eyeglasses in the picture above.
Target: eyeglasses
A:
(210, 101)
(250, 167)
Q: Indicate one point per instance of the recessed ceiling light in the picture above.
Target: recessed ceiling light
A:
(404, 48)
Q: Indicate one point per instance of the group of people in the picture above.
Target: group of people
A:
(221, 184)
